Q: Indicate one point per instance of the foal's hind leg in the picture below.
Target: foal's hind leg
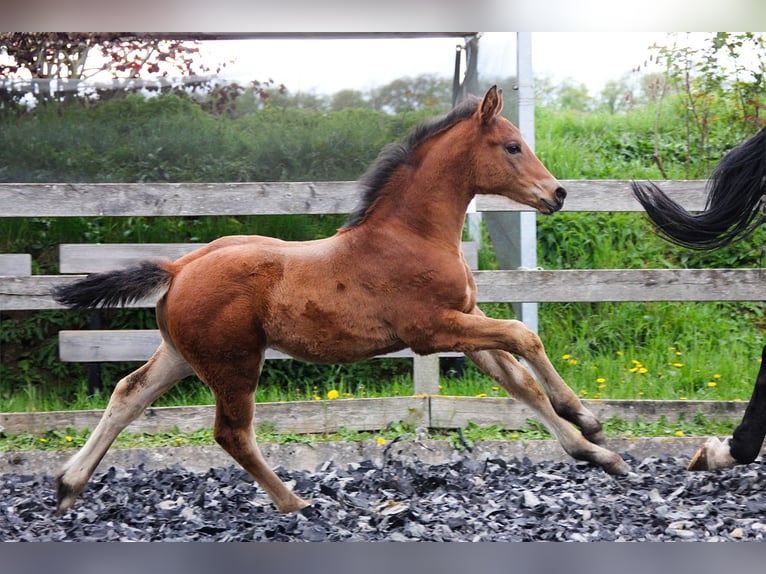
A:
(506, 370)
(234, 387)
(129, 399)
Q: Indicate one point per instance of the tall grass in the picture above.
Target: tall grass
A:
(603, 350)
(660, 350)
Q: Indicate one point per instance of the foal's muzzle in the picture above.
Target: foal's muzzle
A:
(558, 200)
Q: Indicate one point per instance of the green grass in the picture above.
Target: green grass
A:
(612, 350)
(70, 439)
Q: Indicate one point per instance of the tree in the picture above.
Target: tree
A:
(412, 94)
(617, 95)
(69, 55)
(78, 56)
(348, 99)
(573, 96)
(719, 81)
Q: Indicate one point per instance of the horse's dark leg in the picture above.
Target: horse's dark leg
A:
(506, 370)
(129, 399)
(745, 443)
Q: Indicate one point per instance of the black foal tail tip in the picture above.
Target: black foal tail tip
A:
(114, 288)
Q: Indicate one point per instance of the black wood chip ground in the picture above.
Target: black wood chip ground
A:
(469, 500)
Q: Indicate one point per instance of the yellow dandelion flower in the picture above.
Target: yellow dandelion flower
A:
(678, 365)
(480, 395)
(712, 384)
(682, 398)
(640, 393)
(566, 357)
(633, 370)
(68, 438)
(601, 380)
(333, 394)
(179, 440)
(495, 389)
(637, 363)
(43, 439)
(679, 433)
(643, 370)
(716, 376)
(678, 353)
(317, 398)
(572, 361)
(583, 392)
(380, 440)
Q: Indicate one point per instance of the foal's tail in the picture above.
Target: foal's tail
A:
(736, 192)
(116, 288)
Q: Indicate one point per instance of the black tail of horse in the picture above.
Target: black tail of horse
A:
(736, 192)
(115, 288)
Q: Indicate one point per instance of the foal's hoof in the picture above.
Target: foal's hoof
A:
(617, 467)
(295, 505)
(65, 496)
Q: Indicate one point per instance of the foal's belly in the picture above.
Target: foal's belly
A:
(325, 332)
(332, 348)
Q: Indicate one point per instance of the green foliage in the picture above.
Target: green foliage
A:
(171, 138)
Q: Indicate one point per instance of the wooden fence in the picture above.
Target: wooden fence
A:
(22, 290)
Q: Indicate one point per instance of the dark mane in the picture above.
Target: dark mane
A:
(393, 155)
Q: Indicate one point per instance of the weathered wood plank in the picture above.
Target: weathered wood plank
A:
(606, 195)
(15, 264)
(590, 285)
(103, 346)
(280, 198)
(374, 414)
(457, 412)
(299, 416)
(31, 292)
(174, 199)
(514, 286)
(99, 257)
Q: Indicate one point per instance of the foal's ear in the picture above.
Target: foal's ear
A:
(491, 104)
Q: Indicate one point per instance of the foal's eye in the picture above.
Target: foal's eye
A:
(513, 148)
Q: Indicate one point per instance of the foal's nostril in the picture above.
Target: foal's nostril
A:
(560, 194)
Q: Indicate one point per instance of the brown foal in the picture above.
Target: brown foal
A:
(392, 277)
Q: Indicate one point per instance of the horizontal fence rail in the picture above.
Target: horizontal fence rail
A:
(20, 290)
(369, 414)
(512, 286)
(280, 198)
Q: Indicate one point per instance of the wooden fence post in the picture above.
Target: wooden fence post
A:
(425, 374)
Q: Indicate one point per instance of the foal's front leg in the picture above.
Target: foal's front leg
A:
(564, 400)
(491, 343)
(515, 379)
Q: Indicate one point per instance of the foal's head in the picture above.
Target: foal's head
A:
(505, 165)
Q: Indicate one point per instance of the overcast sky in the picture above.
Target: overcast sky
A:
(326, 66)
